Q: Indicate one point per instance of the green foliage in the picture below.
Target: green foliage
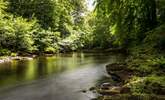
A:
(35, 25)
(43, 10)
(45, 39)
(13, 54)
(4, 52)
(128, 20)
(16, 33)
(156, 38)
(147, 85)
(73, 42)
(102, 34)
(59, 15)
(3, 6)
(161, 11)
(51, 50)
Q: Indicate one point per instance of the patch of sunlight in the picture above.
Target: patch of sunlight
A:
(113, 29)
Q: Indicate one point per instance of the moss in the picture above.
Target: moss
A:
(147, 85)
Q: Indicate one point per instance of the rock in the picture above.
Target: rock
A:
(113, 91)
(117, 50)
(1, 61)
(9, 59)
(94, 99)
(125, 90)
(115, 77)
(105, 86)
(92, 88)
(27, 58)
(162, 91)
(118, 72)
(116, 67)
(16, 58)
(5, 60)
(83, 91)
(22, 58)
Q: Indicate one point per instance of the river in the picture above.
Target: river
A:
(59, 77)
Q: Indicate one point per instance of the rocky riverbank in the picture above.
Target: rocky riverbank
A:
(130, 82)
(118, 73)
(10, 58)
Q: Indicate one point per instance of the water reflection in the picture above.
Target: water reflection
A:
(61, 76)
(22, 71)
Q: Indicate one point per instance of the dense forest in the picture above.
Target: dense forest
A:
(34, 26)
(133, 27)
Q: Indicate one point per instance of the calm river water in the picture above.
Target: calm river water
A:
(59, 77)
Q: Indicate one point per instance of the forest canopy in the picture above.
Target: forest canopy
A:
(56, 25)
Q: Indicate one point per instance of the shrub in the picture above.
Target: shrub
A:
(4, 52)
(16, 33)
(13, 54)
(45, 39)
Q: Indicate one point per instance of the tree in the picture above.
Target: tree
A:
(45, 39)
(129, 20)
(161, 11)
(16, 34)
(43, 10)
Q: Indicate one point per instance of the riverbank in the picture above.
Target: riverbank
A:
(4, 59)
(139, 76)
(27, 56)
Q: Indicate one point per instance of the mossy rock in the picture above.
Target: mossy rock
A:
(132, 97)
(113, 91)
(116, 67)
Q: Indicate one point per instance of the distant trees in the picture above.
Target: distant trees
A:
(38, 25)
(43, 10)
(22, 34)
(59, 15)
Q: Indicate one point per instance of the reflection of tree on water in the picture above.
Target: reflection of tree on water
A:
(70, 72)
(20, 71)
(41, 67)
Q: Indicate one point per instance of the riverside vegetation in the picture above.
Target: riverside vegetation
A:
(133, 27)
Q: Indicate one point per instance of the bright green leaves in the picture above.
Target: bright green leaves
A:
(45, 40)
(54, 14)
(16, 34)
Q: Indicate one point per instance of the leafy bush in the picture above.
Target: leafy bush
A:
(13, 54)
(156, 38)
(76, 41)
(16, 33)
(4, 52)
(51, 50)
(46, 39)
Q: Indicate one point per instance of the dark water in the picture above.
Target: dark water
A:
(60, 77)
